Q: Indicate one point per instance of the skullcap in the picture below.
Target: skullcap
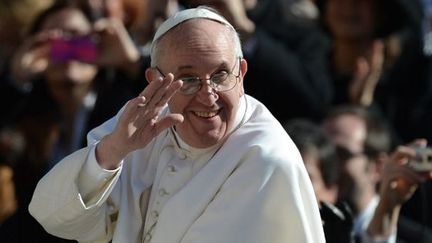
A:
(192, 13)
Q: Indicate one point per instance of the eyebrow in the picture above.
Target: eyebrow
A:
(185, 67)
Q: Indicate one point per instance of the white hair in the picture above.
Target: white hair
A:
(200, 12)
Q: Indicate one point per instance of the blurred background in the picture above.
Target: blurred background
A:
(68, 65)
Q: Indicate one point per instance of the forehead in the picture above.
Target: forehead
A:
(200, 37)
(348, 131)
(67, 19)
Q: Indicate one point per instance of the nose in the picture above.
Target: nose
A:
(207, 95)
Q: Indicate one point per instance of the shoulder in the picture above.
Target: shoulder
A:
(262, 140)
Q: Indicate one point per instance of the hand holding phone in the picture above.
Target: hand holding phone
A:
(422, 163)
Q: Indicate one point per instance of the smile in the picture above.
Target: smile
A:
(206, 114)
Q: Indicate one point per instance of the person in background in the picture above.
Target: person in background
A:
(191, 159)
(115, 54)
(320, 158)
(399, 181)
(374, 180)
(363, 142)
(376, 61)
(51, 120)
(15, 20)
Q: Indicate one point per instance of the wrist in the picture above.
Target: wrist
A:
(108, 155)
(384, 221)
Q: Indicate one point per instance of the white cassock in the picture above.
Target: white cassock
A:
(253, 188)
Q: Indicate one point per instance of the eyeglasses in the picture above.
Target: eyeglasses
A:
(220, 81)
(345, 154)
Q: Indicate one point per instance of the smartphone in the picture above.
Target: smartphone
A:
(423, 161)
(81, 48)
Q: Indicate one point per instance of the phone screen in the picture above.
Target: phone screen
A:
(81, 48)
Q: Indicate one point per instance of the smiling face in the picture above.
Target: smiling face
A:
(202, 48)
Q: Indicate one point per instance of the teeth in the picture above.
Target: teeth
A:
(206, 114)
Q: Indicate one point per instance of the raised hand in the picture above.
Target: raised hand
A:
(398, 184)
(367, 75)
(33, 56)
(399, 181)
(235, 11)
(140, 122)
(115, 46)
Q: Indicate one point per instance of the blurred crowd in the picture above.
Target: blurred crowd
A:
(350, 81)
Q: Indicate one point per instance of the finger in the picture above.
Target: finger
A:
(49, 35)
(158, 85)
(101, 25)
(402, 154)
(131, 108)
(411, 176)
(403, 187)
(362, 68)
(159, 92)
(173, 88)
(152, 107)
(419, 142)
(377, 58)
(168, 121)
(104, 27)
(41, 52)
(36, 60)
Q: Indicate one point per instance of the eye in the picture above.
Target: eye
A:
(220, 77)
(190, 80)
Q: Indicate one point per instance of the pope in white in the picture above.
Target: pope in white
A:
(192, 159)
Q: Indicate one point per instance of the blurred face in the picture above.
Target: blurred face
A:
(350, 19)
(349, 133)
(70, 81)
(322, 192)
(201, 48)
(106, 8)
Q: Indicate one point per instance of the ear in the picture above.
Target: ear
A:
(243, 71)
(151, 74)
(243, 68)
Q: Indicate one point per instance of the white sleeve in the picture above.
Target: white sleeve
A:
(70, 201)
(93, 180)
